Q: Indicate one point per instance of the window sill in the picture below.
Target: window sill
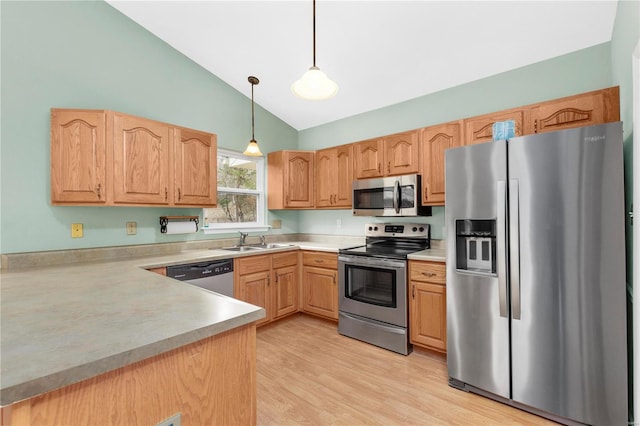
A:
(229, 230)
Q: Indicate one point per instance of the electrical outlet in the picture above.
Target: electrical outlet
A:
(276, 224)
(132, 228)
(171, 421)
(76, 230)
(338, 223)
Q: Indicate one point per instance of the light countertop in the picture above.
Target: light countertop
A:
(64, 324)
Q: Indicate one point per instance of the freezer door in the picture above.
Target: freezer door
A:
(477, 315)
(568, 291)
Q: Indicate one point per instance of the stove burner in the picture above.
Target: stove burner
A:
(392, 240)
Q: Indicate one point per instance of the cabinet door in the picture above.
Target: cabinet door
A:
(141, 161)
(344, 171)
(576, 111)
(285, 291)
(78, 157)
(320, 291)
(369, 158)
(402, 153)
(255, 289)
(325, 177)
(480, 129)
(195, 168)
(435, 140)
(428, 315)
(299, 171)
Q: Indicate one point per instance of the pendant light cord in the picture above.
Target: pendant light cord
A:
(314, 33)
(252, 115)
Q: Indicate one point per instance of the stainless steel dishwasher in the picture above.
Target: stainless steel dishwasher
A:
(216, 275)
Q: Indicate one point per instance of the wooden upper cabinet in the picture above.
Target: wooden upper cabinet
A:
(402, 153)
(78, 157)
(369, 158)
(334, 177)
(601, 106)
(480, 129)
(291, 179)
(195, 168)
(434, 141)
(141, 161)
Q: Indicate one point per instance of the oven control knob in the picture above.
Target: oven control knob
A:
(421, 229)
(375, 228)
(414, 229)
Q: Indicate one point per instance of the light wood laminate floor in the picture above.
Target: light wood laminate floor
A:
(308, 374)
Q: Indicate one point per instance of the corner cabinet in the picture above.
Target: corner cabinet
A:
(434, 141)
(110, 158)
(291, 180)
(320, 284)
(78, 157)
(334, 177)
(269, 281)
(428, 305)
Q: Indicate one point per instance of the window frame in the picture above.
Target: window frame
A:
(260, 192)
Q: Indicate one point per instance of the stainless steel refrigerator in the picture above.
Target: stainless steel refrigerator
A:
(536, 293)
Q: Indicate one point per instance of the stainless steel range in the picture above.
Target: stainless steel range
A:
(372, 284)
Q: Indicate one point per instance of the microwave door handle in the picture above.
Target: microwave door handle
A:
(396, 197)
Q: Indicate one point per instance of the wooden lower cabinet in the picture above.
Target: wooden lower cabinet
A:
(320, 284)
(209, 382)
(428, 305)
(269, 281)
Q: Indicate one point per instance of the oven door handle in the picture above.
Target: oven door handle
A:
(396, 196)
(372, 261)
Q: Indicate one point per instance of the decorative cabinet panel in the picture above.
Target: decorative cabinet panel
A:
(195, 168)
(141, 161)
(334, 177)
(291, 179)
(402, 153)
(110, 158)
(369, 158)
(396, 154)
(428, 305)
(320, 284)
(480, 129)
(78, 157)
(268, 281)
(434, 141)
(586, 109)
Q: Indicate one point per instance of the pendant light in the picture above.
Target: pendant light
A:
(252, 149)
(314, 84)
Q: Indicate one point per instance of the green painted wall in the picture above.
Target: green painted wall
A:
(89, 55)
(581, 71)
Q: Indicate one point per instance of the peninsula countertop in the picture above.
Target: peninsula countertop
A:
(64, 324)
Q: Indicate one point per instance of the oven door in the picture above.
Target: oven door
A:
(374, 288)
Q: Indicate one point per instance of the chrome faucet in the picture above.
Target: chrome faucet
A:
(243, 238)
(262, 240)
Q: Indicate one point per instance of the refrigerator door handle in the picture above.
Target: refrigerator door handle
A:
(501, 246)
(514, 247)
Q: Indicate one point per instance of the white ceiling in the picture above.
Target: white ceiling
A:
(379, 52)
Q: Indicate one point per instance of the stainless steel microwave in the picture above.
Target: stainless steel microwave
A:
(389, 196)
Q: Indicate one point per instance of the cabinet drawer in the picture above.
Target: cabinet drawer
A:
(433, 272)
(289, 258)
(251, 264)
(320, 259)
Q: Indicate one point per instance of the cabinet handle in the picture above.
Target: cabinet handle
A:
(429, 274)
(426, 192)
(413, 291)
(268, 281)
(389, 167)
(378, 167)
(166, 193)
(334, 278)
(318, 260)
(276, 278)
(179, 194)
(98, 188)
(535, 126)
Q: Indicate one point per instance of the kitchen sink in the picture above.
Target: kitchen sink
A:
(255, 247)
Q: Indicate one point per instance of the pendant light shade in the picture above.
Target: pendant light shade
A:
(253, 149)
(314, 84)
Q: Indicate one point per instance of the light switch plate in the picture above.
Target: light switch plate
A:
(276, 224)
(76, 230)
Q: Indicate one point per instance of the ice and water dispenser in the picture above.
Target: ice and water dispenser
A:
(476, 246)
